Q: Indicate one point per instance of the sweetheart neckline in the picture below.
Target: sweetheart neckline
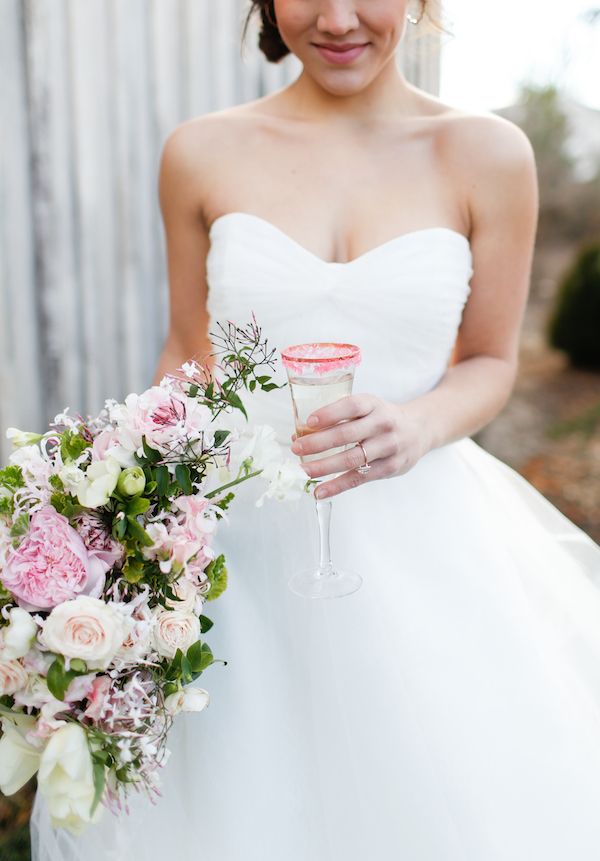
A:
(401, 236)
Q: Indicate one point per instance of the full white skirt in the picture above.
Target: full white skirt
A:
(449, 709)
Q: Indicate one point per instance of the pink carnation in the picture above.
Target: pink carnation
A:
(52, 564)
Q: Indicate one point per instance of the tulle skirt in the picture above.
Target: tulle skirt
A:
(449, 709)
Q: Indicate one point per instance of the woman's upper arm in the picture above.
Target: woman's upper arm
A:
(498, 168)
(180, 194)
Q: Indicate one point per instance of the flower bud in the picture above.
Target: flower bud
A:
(21, 438)
(131, 481)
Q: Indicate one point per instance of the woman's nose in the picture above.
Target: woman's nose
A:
(337, 16)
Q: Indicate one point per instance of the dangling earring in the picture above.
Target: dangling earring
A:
(411, 19)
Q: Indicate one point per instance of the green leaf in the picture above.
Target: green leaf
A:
(269, 386)
(193, 391)
(236, 401)
(79, 665)
(182, 474)
(194, 655)
(161, 475)
(263, 379)
(252, 385)
(11, 477)
(133, 570)
(138, 532)
(151, 453)
(150, 488)
(209, 391)
(137, 505)
(99, 781)
(205, 624)
(72, 445)
(20, 525)
(55, 679)
(186, 669)
(220, 437)
(120, 528)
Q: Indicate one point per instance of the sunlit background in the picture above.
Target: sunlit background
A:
(83, 287)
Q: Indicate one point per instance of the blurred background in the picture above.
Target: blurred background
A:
(89, 90)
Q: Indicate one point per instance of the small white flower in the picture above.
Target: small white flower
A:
(20, 438)
(287, 481)
(17, 637)
(188, 699)
(101, 478)
(189, 369)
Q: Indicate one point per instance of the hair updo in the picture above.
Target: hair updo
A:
(269, 37)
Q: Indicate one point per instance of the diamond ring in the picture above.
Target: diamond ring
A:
(363, 470)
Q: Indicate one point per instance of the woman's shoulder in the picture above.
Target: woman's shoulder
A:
(480, 140)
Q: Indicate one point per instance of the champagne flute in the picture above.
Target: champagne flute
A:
(319, 374)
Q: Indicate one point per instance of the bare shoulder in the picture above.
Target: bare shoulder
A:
(492, 160)
(196, 149)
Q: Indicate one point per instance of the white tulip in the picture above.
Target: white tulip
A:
(65, 778)
(16, 639)
(18, 759)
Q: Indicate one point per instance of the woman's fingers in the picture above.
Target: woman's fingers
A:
(344, 433)
(382, 468)
(375, 447)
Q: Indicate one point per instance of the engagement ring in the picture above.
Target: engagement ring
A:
(366, 466)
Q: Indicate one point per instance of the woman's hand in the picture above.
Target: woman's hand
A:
(392, 434)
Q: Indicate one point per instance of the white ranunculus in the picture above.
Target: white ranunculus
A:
(86, 628)
(65, 778)
(101, 478)
(188, 699)
(19, 760)
(17, 637)
(13, 677)
(174, 629)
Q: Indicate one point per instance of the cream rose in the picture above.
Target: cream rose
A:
(86, 628)
(13, 677)
(174, 629)
(65, 778)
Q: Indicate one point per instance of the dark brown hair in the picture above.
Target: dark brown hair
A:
(269, 37)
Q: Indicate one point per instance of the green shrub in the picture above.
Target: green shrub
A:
(574, 325)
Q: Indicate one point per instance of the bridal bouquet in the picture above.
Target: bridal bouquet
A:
(106, 563)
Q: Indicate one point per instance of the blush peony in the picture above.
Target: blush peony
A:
(51, 564)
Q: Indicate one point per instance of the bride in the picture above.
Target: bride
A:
(449, 710)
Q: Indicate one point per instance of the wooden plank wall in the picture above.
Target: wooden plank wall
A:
(89, 90)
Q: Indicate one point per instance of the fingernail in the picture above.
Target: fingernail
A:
(312, 421)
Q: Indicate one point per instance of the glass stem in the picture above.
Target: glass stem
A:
(324, 518)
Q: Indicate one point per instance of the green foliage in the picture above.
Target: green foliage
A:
(217, 575)
(72, 445)
(59, 678)
(11, 477)
(574, 325)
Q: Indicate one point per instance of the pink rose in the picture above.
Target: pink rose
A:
(52, 564)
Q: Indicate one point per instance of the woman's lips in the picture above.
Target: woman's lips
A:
(341, 57)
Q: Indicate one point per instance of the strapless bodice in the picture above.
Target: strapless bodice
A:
(401, 302)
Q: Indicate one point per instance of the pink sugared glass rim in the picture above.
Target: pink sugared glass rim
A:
(342, 356)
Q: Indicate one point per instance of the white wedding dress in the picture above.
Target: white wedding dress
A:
(449, 710)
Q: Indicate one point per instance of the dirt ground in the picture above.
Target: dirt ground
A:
(565, 468)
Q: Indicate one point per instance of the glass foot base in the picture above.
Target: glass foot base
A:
(310, 584)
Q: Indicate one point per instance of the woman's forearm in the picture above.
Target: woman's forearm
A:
(468, 397)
